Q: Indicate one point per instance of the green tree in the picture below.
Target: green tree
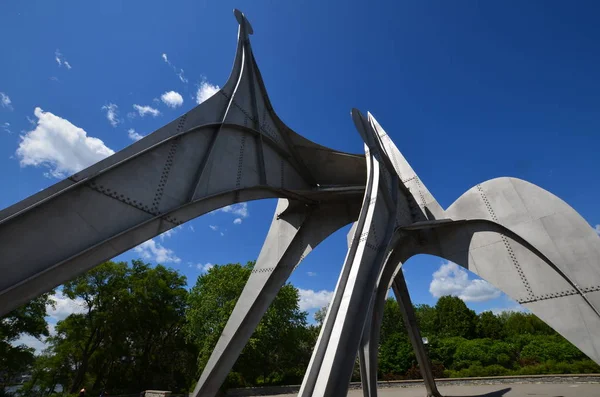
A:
(392, 322)
(396, 356)
(454, 318)
(131, 336)
(28, 319)
(489, 326)
(280, 347)
(320, 315)
(426, 318)
(517, 323)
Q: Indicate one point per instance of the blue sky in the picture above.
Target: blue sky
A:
(468, 91)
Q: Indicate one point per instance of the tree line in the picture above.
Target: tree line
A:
(141, 328)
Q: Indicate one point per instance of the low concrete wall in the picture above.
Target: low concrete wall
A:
(566, 378)
(157, 393)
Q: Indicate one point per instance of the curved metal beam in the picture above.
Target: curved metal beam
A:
(230, 148)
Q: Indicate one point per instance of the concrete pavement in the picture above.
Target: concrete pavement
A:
(500, 390)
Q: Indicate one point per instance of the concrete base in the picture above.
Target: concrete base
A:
(157, 393)
(508, 390)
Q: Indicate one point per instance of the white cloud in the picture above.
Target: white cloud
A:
(241, 210)
(178, 72)
(65, 306)
(204, 268)
(450, 279)
(134, 136)
(38, 344)
(170, 232)
(172, 99)
(311, 274)
(222, 234)
(205, 91)
(6, 127)
(5, 101)
(514, 309)
(213, 227)
(153, 251)
(237, 221)
(192, 228)
(112, 111)
(144, 110)
(598, 229)
(59, 145)
(60, 59)
(310, 299)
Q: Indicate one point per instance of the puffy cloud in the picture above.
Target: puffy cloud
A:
(311, 274)
(60, 59)
(112, 111)
(170, 233)
(59, 145)
(134, 136)
(178, 72)
(310, 299)
(205, 91)
(241, 210)
(6, 127)
(65, 306)
(172, 99)
(214, 227)
(514, 309)
(450, 279)
(153, 251)
(598, 229)
(204, 267)
(144, 110)
(237, 221)
(39, 345)
(5, 101)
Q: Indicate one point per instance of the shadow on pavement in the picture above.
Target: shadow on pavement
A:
(497, 393)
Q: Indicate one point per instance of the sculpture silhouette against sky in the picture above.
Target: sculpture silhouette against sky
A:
(233, 148)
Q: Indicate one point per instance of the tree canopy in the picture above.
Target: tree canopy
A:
(142, 329)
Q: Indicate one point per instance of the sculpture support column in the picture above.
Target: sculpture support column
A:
(296, 229)
(410, 321)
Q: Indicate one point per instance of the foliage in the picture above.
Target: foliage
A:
(141, 329)
(28, 319)
(129, 338)
(454, 318)
(279, 349)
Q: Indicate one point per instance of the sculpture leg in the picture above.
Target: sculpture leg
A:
(368, 366)
(410, 321)
(403, 246)
(330, 368)
(295, 231)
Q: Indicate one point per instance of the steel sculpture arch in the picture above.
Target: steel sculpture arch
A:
(234, 148)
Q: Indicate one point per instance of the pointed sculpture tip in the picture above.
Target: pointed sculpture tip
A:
(359, 123)
(243, 21)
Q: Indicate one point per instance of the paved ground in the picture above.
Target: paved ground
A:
(506, 390)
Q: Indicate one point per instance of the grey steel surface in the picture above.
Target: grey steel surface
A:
(234, 148)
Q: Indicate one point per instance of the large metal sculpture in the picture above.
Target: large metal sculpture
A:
(234, 148)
